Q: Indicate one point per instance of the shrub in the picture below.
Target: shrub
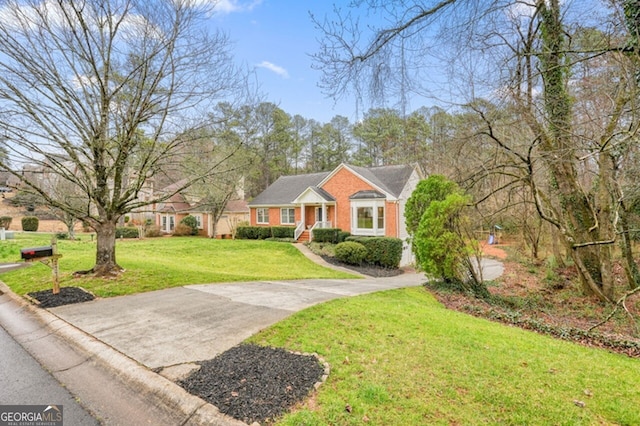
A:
(152, 231)
(62, 236)
(5, 222)
(283, 232)
(327, 235)
(342, 236)
(127, 232)
(30, 223)
(253, 232)
(182, 230)
(381, 251)
(191, 222)
(351, 252)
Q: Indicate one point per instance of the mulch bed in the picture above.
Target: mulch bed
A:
(369, 270)
(254, 383)
(67, 296)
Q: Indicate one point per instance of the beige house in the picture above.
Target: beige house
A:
(176, 208)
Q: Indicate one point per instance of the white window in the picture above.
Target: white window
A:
(367, 217)
(168, 222)
(288, 216)
(198, 220)
(262, 215)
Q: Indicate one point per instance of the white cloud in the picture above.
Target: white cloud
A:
(274, 68)
(230, 6)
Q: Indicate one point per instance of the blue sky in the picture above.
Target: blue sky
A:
(276, 38)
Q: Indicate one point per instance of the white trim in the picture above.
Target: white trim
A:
(258, 216)
(199, 219)
(167, 222)
(311, 196)
(374, 205)
(293, 219)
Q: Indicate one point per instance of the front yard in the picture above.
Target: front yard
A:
(397, 357)
(153, 264)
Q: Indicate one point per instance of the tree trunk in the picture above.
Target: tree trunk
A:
(70, 222)
(106, 250)
(580, 225)
(555, 248)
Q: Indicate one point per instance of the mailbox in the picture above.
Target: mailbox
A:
(36, 252)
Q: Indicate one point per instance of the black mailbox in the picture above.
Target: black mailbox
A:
(36, 252)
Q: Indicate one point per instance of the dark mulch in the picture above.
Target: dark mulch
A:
(254, 383)
(67, 296)
(365, 269)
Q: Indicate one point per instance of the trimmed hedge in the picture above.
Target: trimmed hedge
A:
(264, 232)
(282, 231)
(351, 252)
(327, 235)
(5, 222)
(343, 235)
(127, 232)
(382, 251)
(30, 223)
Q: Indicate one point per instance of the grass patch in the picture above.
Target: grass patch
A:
(153, 264)
(399, 357)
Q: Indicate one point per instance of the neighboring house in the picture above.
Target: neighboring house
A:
(176, 208)
(360, 200)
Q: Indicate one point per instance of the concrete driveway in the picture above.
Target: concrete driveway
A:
(197, 322)
(176, 326)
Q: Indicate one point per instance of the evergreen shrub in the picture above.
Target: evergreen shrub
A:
(327, 235)
(5, 222)
(351, 252)
(30, 223)
(127, 232)
(191, 222)
(382, 251)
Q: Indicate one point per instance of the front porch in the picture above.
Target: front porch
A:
(316, 206)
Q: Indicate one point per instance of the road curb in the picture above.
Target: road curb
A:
(34, 328)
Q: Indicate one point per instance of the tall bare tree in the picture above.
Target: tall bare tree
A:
(110, 86)
(523, 55)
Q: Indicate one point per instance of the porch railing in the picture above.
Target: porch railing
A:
(299, 230)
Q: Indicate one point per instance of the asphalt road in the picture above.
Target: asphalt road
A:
(23, 381)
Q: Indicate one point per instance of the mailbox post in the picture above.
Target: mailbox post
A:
(47, 255)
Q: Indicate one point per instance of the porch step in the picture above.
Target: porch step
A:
(304, 237)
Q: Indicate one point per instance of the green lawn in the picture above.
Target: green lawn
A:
(397, 357)
(157, 263)
(400, 358)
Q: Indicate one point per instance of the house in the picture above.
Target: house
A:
(363, 201)
(171, 212)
